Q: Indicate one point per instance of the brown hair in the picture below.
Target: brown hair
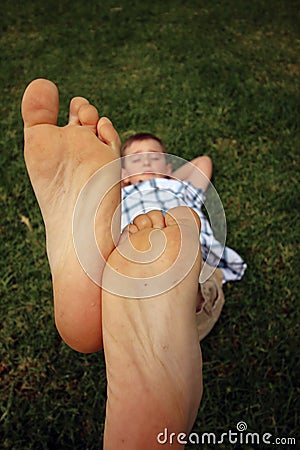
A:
(142, 137)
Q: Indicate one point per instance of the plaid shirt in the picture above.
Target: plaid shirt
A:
(164, 194)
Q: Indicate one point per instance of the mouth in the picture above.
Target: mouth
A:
(147, 172)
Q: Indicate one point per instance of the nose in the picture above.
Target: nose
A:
(146, 159)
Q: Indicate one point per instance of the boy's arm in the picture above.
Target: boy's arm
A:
(198, 172)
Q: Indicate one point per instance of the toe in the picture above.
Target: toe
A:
(132, 229)
(142, 222)
(157, 218)
(88, 116)
(108, 134)
(40, 103)
(129, 230)
(75, 105)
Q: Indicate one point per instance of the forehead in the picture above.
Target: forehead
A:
(146, 145)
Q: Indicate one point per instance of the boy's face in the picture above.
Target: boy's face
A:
(147, 160)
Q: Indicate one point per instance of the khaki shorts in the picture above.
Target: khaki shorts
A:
(213, 301)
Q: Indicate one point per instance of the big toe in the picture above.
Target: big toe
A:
(40, 103)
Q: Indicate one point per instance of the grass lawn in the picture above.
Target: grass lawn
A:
(221, 78)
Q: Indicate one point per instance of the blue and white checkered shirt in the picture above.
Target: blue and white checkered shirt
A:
(164, 194)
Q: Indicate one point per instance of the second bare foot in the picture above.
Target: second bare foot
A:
(151, 344)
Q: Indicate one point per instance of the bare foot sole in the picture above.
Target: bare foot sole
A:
(152, 351)
(60, 160)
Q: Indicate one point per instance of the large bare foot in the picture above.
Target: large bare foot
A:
(151, 345)
(60, 160)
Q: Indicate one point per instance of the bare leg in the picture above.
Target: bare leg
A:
(152, 351)
(198, 172)
(54, 158)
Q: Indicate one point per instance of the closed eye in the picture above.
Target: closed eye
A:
(136, 159)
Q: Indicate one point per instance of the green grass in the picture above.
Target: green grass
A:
(219, 77)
